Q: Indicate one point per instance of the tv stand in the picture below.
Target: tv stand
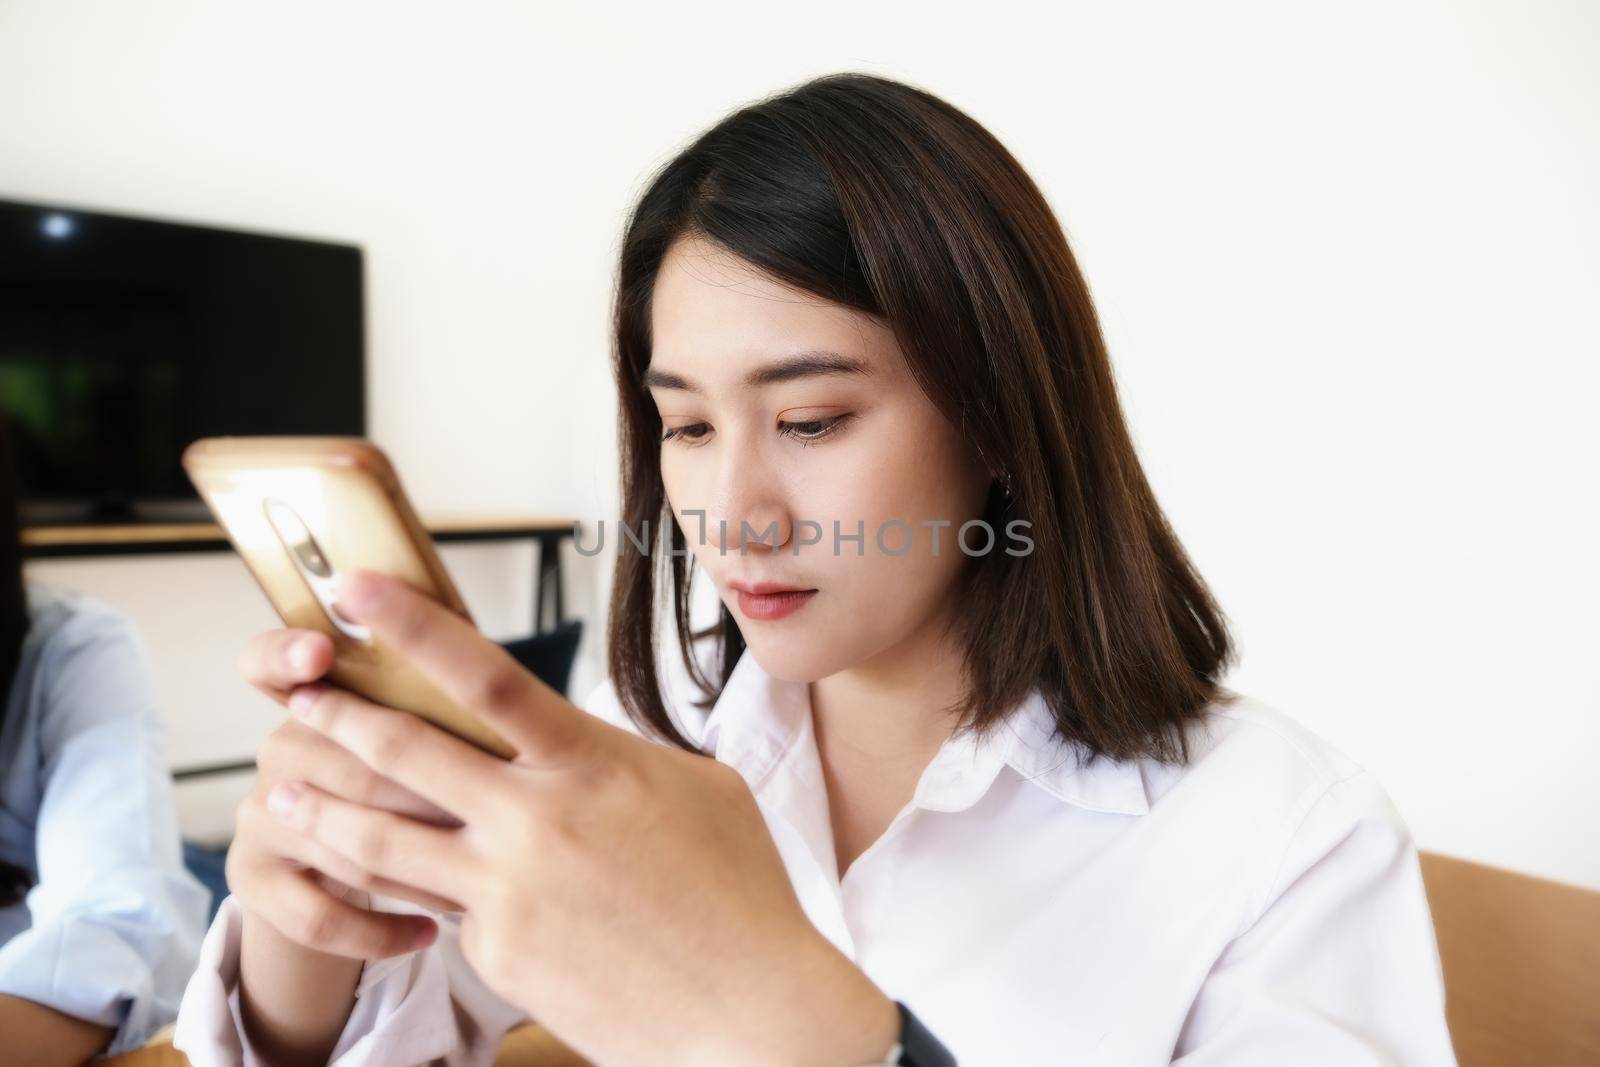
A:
(164, 538)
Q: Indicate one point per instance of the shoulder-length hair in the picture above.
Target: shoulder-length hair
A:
(886, 199)
(14, 625)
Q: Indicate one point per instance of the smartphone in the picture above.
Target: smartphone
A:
(301, 510)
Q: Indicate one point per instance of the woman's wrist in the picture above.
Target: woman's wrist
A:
(293, 1000)
(813, 1007)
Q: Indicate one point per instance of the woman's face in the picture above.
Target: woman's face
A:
(783, 415)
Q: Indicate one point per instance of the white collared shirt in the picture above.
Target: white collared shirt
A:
(1261, 905)
(110, 929)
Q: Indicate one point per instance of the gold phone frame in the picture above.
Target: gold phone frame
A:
(274, 496)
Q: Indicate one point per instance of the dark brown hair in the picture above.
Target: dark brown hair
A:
(14, 623)
(884, 198)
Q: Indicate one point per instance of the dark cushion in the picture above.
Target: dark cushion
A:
(208, 863)
(549, 656)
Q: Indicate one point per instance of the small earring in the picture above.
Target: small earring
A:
(1005, 485)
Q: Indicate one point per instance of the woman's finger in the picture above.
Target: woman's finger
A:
(400, 747)
(276, 838)
(433, 859)
(278, 660)
(296, 751)
(298, 907)
(471, 670)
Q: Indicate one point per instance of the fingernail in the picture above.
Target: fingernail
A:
(280, 802)
(301, 699)
(300, 653)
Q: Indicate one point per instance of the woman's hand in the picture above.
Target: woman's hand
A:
(626, 894)
(299, 886)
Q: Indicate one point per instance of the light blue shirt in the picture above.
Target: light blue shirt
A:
(110, 931)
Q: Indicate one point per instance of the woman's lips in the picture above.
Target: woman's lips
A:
(769, 606)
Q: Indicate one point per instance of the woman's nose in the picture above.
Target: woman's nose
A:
(764, 527)
(753, 514)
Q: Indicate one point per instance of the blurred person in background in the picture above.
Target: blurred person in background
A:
(100, 922)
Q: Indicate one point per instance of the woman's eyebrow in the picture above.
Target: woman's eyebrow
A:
(784, 369)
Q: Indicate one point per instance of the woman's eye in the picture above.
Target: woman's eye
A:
(692, 432)
(805, 431)
(812, 429)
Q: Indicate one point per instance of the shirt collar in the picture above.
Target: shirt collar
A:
(757, 718)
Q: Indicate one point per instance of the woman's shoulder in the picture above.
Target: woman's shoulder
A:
(1238, 722)
(1255, 765)
(1265, 801)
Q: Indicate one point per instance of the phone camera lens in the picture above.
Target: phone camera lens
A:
(312, 559)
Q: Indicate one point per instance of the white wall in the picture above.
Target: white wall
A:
(1345, 255)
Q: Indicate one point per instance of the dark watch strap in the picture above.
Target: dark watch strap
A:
(918, 1046)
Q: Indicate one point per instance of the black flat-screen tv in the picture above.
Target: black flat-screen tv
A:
(123, 339)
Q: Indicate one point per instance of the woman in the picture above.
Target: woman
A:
(975, 788)
(100, 923)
